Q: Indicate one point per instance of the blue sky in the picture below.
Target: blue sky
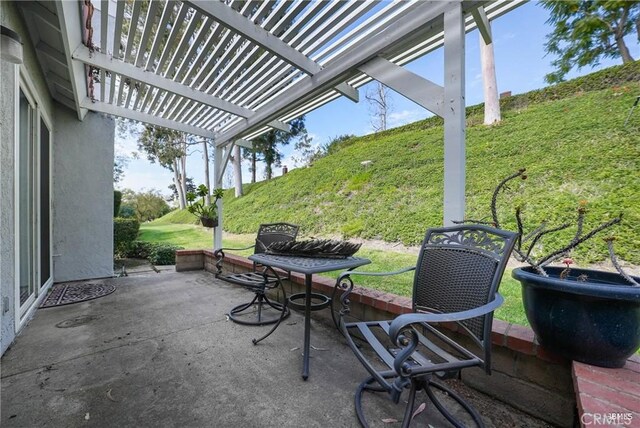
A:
(521, 65)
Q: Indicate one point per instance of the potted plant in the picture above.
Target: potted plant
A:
(208, 213)
(585, 315)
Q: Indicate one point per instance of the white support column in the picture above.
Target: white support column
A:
(218, 172)
(454, 116)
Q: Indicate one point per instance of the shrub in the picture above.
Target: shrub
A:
(163, 254)
(157, 253)
(140, 249)
(125, 232)
(117, 200)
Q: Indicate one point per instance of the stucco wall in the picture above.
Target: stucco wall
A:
(30, 69)
(7, 269)
(82, 196)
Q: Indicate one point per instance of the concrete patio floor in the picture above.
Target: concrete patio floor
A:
(160, 351)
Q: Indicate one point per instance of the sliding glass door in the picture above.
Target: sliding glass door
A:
(25, 201)
(45, 204)
(33, 203)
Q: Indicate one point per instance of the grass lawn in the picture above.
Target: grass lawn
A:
(196, 237)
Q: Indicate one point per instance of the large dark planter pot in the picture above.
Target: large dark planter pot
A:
(209, 222)
(595, 322)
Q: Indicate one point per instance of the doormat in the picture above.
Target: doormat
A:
(66, 294)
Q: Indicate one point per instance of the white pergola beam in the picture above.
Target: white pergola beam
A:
(116, 44)
(276, 124)
(416, 88)
(258, 35)
(144, 117)
(243, 143)
(423, 18)
(69, 14)
(100, 60)
(133, 26)
(454, 116)
(148, 25)
(225, 162)
(482, 22)
(218, 171)
(104, 24)
(164, 20)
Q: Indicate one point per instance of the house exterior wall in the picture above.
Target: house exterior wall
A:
(82, 196)
(31, 71)
(7, 261)
(82, 181)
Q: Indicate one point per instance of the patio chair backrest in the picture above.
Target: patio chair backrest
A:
(460, 268)
(274, 232)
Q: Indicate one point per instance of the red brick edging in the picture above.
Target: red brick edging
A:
(608, 397)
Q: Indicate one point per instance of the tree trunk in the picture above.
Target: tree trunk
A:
(491, 99)
(380, 106)
(176, 182)
(268, 170)
(205, 156)
(237, 170)
(624, 50)
(183, 163)
(253, 166)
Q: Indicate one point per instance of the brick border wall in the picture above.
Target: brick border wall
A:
(523, 374)
(613, 393)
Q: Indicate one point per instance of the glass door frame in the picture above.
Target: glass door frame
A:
(23, 311)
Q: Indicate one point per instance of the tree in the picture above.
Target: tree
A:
(119, 164)
(587, 31)
(147, 205)
(305, 150)
(267, 146)
(168, 148)
(490, 83)
(379, 106)
(189, 186)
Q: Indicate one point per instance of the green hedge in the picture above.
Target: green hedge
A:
(157, 254)
(125, 232)
(117, 200)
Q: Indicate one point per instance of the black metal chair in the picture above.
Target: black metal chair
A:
(455, 280)
(259, 282)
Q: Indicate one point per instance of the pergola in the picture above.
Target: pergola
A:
(232, 70)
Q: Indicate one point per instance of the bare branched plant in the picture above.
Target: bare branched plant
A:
(528, 241)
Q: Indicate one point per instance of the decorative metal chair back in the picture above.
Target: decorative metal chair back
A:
(259, 282)
(274, 232)
(458, 269)
(456, 280)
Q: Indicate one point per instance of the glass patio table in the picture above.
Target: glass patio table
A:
(307, 266)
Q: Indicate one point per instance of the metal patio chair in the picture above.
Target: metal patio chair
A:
(259, 281)
(455, 280)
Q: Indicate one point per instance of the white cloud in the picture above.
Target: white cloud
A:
(405, 116)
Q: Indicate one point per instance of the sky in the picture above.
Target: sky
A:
(521, 64)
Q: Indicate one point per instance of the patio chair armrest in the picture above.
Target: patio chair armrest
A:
(219, 255)
(345, 283)
(353, 272)
(235, 249)
(398, 324)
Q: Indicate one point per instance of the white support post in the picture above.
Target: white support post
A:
(416, 88)
(218, 171)
(454, 116)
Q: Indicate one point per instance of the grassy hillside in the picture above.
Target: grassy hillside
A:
(177, 217)
(571, 141)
